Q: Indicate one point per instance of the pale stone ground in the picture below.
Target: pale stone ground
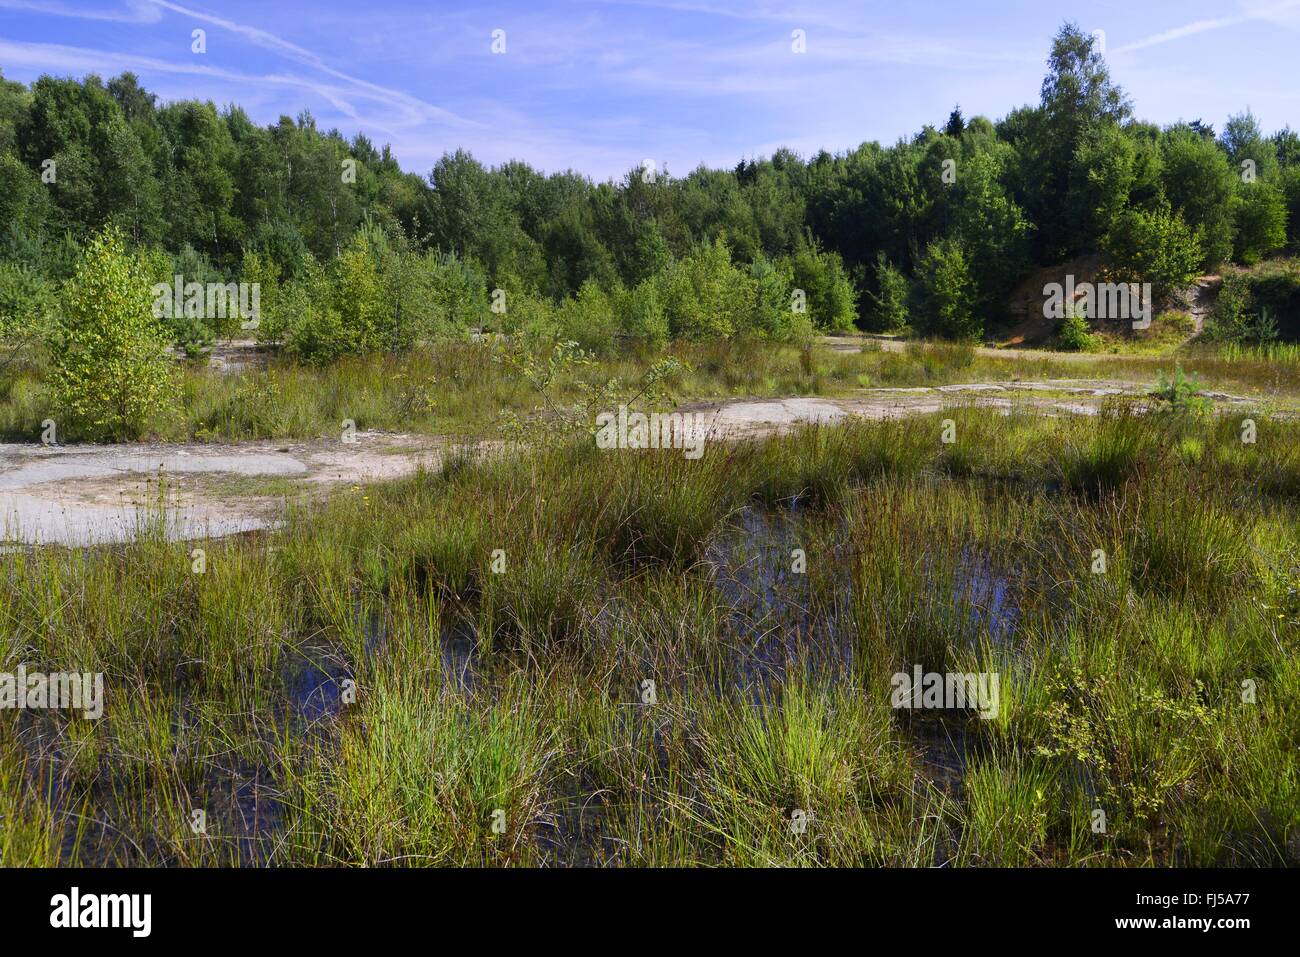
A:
(90, 494)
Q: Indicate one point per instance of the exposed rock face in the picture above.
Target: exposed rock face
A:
(1026, 324)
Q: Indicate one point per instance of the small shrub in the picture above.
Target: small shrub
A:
(1181, 392)
(1074, 335)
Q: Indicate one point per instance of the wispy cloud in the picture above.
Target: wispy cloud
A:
(1205, 26)
(416, 108)
(80, 60)
(132, 11)
(410, 110)
(830, 15)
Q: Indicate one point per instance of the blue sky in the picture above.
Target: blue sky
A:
(600, 85)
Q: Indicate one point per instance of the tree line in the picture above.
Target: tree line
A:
(353, 254)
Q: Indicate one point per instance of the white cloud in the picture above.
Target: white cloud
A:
(410, 110)
(50, 57)
(416, 109)
(132, 11)
(1274, 11)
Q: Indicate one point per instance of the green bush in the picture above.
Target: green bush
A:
(832, 302)
(1074, 333)
(262, 271)
(1275, 288)
(705, 296)
(358, 296)
(1257, 306)
(304, 321)
(324, 314)
(1291, 192)
(772, 311)
(1228, 318)
(195, 331)
(589, 319)
(458, 291)
(641, 314)
(531, 319)
(379, 295)
(1152, 245)
(1181, 392)
(27, 303)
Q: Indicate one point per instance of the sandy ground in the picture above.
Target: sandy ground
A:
(94, 494)
(91, 494)
(890, 344)
(1077, 396)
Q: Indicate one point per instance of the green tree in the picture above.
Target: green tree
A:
(1077, 97)
(945, 293)
(1201, 185)
(1261, 221)
(24, 200)
(575, 254)
(109, 368)
(471, 213)
(1102, 175)
(358, 296)
(27, 305)
(459, 292)
(14, 104)
(199, 182)
(889, 302)
(129, 190)
(190, 326)
(260, 271)
(1290, 180)
(995, 231)
(1248, 149)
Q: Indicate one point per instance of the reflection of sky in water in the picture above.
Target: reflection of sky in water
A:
(987, 595)
(772, 625)
(315, 688)
(774, 622)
